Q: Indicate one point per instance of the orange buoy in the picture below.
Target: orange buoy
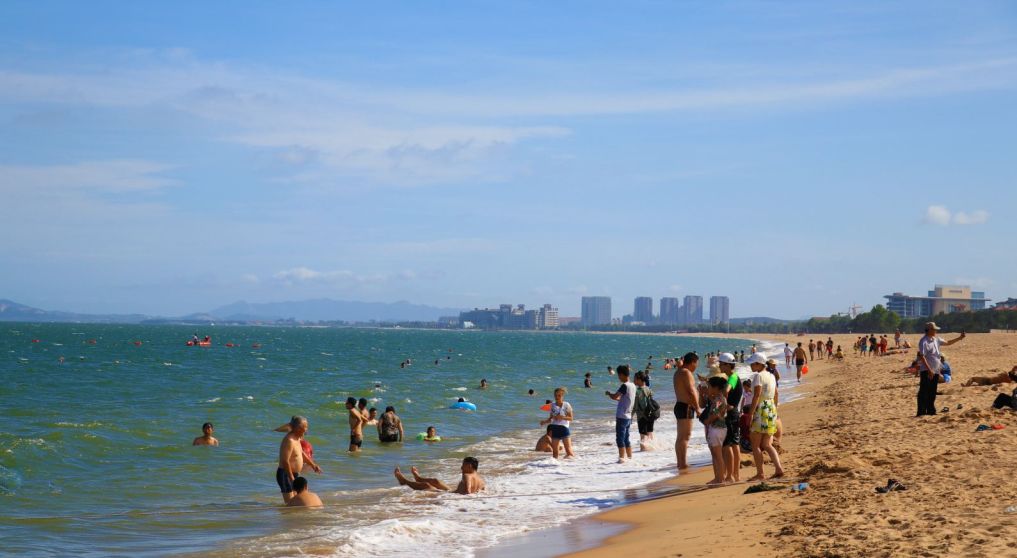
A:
(805, 369)
(137, 343)
(545, 407)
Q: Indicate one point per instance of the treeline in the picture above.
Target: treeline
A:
(877, 320)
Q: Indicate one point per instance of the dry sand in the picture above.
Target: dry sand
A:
(856, 429)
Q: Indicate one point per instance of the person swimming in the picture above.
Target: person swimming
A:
(206, 439)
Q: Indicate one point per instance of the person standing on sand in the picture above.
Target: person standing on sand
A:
(291, 458)
(812, 349)
(626, 398)
(896, 339)
(787, 354)
(730, 450)
(800, 361)
(764, 418)
(686, 407)
(930, 366)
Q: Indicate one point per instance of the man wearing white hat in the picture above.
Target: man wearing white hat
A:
(930, 367)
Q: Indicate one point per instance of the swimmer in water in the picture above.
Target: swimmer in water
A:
(206, 439)
(372, 416)
(303, 498)
(470, 483)
(431, 435)
(530, 393)
(483, 384)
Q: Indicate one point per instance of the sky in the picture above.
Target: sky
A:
(798, 157)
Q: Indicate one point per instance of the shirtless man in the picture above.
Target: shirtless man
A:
(686, 407)
(800, 360)
(206, 439)
(357, 421)
(471, 483)
(291, 458)
(544, 443)
(1001, 378)
(303, 497)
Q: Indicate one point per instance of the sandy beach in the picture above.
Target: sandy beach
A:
(855, 430)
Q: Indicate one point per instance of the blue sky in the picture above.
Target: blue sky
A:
(797, 157)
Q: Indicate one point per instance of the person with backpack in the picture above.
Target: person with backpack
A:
(731, 447)
(390, 427)
(647, 412)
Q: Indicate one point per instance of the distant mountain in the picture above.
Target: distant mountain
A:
(11, 311)
(760, 320)
(324, 309)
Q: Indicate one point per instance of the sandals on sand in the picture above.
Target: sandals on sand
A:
(891, 485)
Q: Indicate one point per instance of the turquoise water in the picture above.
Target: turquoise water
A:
(96, 455)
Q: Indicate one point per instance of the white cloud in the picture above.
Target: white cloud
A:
(675, 288)
(974, 218)
(937, 215)
(941, 216)
(116, 176)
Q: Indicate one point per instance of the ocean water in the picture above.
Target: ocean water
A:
(95, 454)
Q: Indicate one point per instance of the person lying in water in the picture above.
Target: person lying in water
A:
(470, 483)
(1001, 378)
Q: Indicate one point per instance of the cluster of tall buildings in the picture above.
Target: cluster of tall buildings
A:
(507, 316)
(596, 310)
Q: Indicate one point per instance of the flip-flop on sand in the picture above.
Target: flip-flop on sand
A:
(983, 428)
(891, 485)
(998, 427)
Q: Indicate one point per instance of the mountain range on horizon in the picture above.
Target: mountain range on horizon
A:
(241, 311)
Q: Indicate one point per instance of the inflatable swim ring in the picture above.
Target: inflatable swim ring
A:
(465, 405)
(423, 438)
(545, 407)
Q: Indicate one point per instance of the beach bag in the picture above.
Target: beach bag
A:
(652, 408)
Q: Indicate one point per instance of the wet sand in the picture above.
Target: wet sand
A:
(854, 431)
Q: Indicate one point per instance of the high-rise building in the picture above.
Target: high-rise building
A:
(596, 310)
(720, 309)
(944, 299)
(669, 307)
(548, 317)
(643, 311)
(692, 310)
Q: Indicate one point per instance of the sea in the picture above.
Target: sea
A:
(96, 424)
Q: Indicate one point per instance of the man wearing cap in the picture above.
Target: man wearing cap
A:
(732, 420)
(930, 367)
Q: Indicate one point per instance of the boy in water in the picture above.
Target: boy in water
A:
(626, 398)
(303, 497)
(357, 421)
(544, 443)
(206, 439)
(470, 483)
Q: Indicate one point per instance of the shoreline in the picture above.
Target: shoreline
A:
(856, 430)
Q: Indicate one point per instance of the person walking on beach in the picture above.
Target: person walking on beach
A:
(647, 412)
(812, 349)
(714, 420)
(291, 458)
(930, 367)
(303, 497)
(560, 419)
(390, 427)
(687, 405)
(357, 420)
(800, 361)
(470, 483)
(626, 398)
(206, 439)
(764, 418)
(787, 354)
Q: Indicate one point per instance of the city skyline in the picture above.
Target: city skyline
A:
(453, 155)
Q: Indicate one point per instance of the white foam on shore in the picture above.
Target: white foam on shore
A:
(526, 491)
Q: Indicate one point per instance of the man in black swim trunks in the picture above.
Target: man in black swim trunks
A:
(686, 407)
(291, 458)
(357, 421)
